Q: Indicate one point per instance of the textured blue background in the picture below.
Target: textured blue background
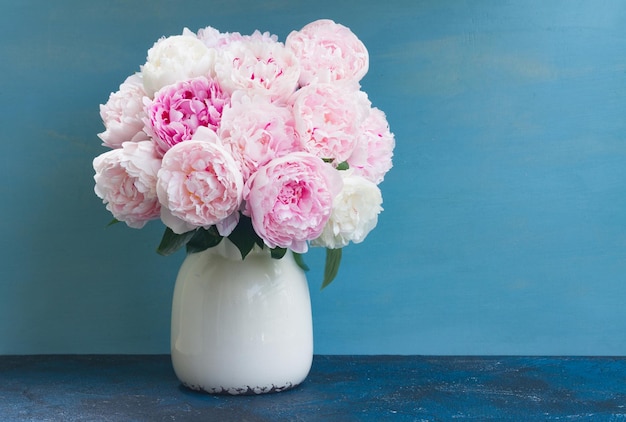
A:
(504, 229)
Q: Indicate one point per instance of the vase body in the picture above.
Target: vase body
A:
(241, 326)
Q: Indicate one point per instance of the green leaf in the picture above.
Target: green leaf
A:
(333, 259)
(343, 166)
(171, 242)
(114, 221)
(278, 253)
(204, 239)
(259, 242)
(300, 261)
(244, 236)
(244, 244)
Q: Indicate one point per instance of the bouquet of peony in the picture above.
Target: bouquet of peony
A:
(242, 136)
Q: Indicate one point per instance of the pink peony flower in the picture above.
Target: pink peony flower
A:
(257, 131)
(126, 182)
(178, 110)
(372, 156)
(328, 118)
(258, 67)
(199, 185)
(328, 52)
(123, 114)
(355, 212)
(290, 200)
(174, 59)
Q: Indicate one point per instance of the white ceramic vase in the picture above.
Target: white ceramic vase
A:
(241, 326)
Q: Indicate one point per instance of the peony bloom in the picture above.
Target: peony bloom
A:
(257, 131)
(178, 110)
(328, 52)
(126, 182)
(290, 200)
(199, 185)
(213, 38)
(258, 67)
(328, 118)
(174, 59)
(123, 114)
(355, 212)
(372, 156)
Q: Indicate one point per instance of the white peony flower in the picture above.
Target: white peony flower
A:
(174, 59)
(354, 215)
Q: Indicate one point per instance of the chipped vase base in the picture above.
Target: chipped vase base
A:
(242, 391)
(241, 326)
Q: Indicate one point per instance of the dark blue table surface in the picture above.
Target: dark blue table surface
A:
(339, 388)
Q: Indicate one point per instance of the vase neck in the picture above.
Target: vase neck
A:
(227, 249)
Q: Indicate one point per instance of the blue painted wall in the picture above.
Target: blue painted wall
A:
(504, 229)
